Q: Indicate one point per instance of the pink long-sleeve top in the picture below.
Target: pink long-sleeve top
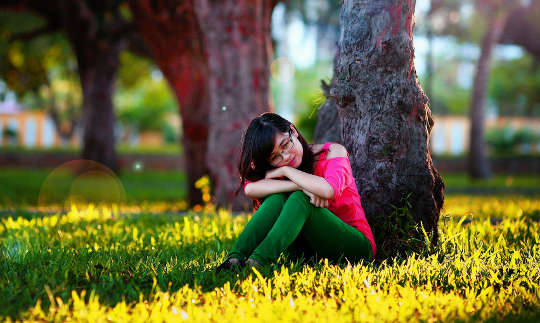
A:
(346, 203)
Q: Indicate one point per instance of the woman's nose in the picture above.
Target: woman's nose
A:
(286, 156)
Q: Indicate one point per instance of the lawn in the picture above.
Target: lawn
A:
(21, 187)
(98, 264)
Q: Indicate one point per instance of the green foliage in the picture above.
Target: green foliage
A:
(9, 133)
(306, 120)
(141, 101)
(42, 71)
(402, 235)
(309, 96)
(447, 96)
(514, 86)
(27, 64)
(95, 264)
(132, 71)
(505, 140)
(170, 134)
(10, 24)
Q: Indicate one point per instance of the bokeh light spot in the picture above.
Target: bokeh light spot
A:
(138, 166)
(282, 69)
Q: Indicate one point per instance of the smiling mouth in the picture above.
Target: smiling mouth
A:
(292, 162)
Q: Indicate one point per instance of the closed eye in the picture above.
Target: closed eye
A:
(286, 144)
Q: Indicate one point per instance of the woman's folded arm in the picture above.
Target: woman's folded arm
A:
(267, 186)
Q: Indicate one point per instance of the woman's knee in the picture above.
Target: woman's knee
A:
(299, 196)
(276, 198)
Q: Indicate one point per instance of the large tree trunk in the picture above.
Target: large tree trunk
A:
(173, 34)
(386, 120)
(97, 58)
(478, 162)
(97, 70)
(237, 38)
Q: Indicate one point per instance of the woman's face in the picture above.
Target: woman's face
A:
(288, 150)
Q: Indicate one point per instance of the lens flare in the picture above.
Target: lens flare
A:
(81, 183)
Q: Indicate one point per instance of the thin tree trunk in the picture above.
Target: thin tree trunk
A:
(98, 73)
(386, 120)
(328, 126)
(172, 32)
(97, 34)
(522, 28)
(97, 59)
(478, 162)
(237, 38)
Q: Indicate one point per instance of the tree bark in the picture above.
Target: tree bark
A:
(173, 34)
(386, 119)
(478, 163)
(238, 44)
(97, 68)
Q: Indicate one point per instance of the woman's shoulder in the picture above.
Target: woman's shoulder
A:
(333, 150)
(316, 148)
(336, 150)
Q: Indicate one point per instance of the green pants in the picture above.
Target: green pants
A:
(289, 222)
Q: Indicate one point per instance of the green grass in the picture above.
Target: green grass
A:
(22, 186)
(461, 181)
(95, 264)
(167, 149)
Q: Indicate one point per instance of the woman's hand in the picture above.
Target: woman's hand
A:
(316, 200)
(277, 173)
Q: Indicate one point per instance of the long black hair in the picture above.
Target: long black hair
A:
(258, 144)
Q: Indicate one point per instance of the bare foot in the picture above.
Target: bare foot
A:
(252, 263)
(234, 261)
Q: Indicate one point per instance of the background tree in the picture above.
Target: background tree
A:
(239, 49)
(97, 31)
(41, 71)
(496, 13)
(514, 86)
(522, 28)
(174, 36)
(386, 120)
(215, 55)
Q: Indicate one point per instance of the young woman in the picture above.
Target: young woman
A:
(306, 198)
